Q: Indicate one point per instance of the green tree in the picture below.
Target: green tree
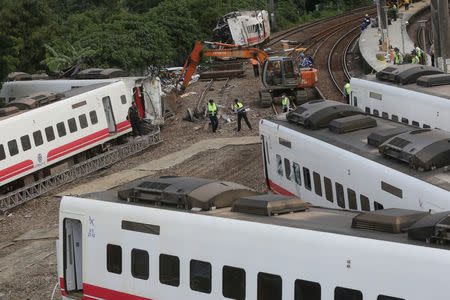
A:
(8, 56)
(141, 6)
(65, 56)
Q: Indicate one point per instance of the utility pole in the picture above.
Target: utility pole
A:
(386, 8)
(272, 15)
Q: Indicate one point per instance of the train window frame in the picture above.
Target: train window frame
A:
(25, 142)
(384, 297)
(93, 117)
(279, 165)
(328, 189)
(393, 190)
(72, 124)
(169, 269)
(364, 202)
(83, 121)
(376, 96)
(352, 202)
(394, 118)
(2, 152)
(13, 148)
(340, 196)
(317, 184)
(304, 289)
(342, 293)
(307, 178)
(204, 288)
(367, 110)
(426, 126)
(37, 138)
(141, 227)
(233, 282)
(405, 121)
(266, 285)
(415, 123)
(284, 142)
(140, 264)
(114, 258)
(61, 129)
(376, 112)
(49, 133)
(377, 205)
(123, 99)
(287, 169)
(297, 173)
(384, 115)
(267, 151)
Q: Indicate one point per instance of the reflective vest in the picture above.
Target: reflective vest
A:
(347, 88)
(415, 60)
(239, 107)
(406, 1)
(212, 109)
(396, 58)
(285, 101)
(418, 51)
(254, 62)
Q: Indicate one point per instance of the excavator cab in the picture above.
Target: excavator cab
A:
(279, 73)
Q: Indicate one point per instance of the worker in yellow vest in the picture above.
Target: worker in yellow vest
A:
(241, 113)
(212, 113)
(285, 102)
(406, 4)
(397, 60)
(347, 92)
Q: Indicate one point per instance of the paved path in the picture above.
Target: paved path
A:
(162, 163)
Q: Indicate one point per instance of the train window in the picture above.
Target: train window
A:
(279, 165)
(391, 189)
(139, 264)
(317, 184)
(307, 178)
(284, 142)
(37, 137)
(340, 195)
(405, 120)
(376, 112)
(415, 123)
(140, 227)
(13, 149)
(365, 203)
(383, 297)
(426, 126)
(328, 189)
(61, 129)
(351, 199)
(355, 101)
(269, 286)
(169, 269)
(341, 293)
(72, 125)
(377, 206)
(2, 152)
(114, 258)
(233, 282)
(375, 96)
(123, 99)
(287, 168)
(385, 115)
(297, 173)
(26, 143)
(307, 290)
(93, 116)
(83, 121)
(200, 276)
(394, 118)
(49, 133)
(367, 110)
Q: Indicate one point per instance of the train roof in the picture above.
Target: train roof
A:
(287, 211)
(372, 136)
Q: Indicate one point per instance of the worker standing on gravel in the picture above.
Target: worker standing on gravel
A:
(241, 113)
(212, 113)
(133, 118)
(285, 102)
(397, 57)
(255, 64)
(406, 4)
(347, 92)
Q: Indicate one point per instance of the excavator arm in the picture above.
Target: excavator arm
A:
(229, 51)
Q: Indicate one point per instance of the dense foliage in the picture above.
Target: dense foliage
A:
(134, 35)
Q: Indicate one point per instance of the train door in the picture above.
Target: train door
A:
(73, 255)
(109, 114)
(266, 160)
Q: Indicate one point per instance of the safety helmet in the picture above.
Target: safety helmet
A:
(367, 15)
(302, 54)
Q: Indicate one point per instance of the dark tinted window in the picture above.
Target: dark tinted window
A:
(169, 270)
(49, 133)
(114, 258)
(123, 99)
(26, 143)
(341, 293)
(352, 199)
(415, 123)
(340, 195)
(395, 118)
(200, 276)
(307, 178)
(391, 189)
(83, 121)
(297, 173)
(365, 203)
(279, 165)
(233, 283)
(61, 129)
(287, 168)
(376, 112)
(2, 152)
(377, 206)
(426, 126)
(72, 125)
(367, 110)
(355, 101)
(383, 297)
(139, 264)
(307, 290)
(269, 286)
(13, 149)
(284, 142)
(93, 116)
(328, 189)
(405, 120)
(317, 184)
(37, 137)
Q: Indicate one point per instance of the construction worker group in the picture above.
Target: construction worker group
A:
(239, 109)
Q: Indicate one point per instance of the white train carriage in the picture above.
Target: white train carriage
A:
(353, 161)
(405, 94)
(243, 28)
(41, 131)
(116, 247)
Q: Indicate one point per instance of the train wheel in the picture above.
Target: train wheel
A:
(265, 99)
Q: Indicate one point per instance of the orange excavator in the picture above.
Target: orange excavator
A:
(278, 72)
